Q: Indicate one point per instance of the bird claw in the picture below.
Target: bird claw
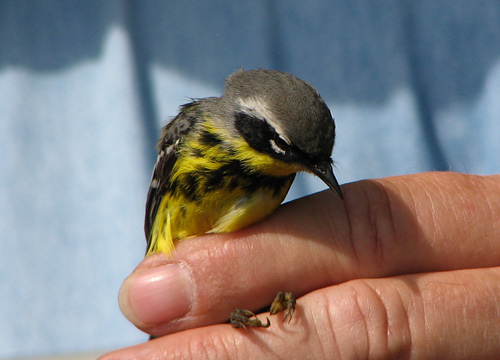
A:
(284, 301)
(241, 318)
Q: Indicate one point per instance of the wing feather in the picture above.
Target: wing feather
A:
(168, 147)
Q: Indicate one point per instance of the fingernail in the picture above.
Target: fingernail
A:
(162, 294)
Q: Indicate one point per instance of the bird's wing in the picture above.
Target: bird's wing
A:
(168, 146)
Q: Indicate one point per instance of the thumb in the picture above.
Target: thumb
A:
(158, 291)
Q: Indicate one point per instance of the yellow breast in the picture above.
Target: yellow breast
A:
(219, 188)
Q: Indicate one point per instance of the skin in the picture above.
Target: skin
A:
(405, 267)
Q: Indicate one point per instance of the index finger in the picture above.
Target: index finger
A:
(417, 223)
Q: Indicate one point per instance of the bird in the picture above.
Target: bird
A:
(227, 162)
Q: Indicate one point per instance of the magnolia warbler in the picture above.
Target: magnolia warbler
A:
(227, 162)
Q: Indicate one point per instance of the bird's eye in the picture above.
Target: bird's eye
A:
(279, 144)
(261, 136)
(276, 148)
(282, 142)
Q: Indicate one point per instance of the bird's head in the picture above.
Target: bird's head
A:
(284, 117)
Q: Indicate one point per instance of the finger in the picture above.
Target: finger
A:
(393, 226)
(158, 291)
(436, 315)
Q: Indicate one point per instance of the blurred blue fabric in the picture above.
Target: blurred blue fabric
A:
(86, 85)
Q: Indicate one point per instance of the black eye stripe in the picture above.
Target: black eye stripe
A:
(263, 138)
(258, 133)
(260, 136)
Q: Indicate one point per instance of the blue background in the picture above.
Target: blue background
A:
(86, 85)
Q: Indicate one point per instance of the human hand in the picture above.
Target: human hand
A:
(404, 267)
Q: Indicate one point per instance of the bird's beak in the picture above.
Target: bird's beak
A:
(324, 171)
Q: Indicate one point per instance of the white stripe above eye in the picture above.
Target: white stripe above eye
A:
(257, 107)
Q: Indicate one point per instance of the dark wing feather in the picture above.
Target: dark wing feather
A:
(168, 146)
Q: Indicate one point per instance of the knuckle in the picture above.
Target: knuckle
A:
(373, 230)
(357, 322)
